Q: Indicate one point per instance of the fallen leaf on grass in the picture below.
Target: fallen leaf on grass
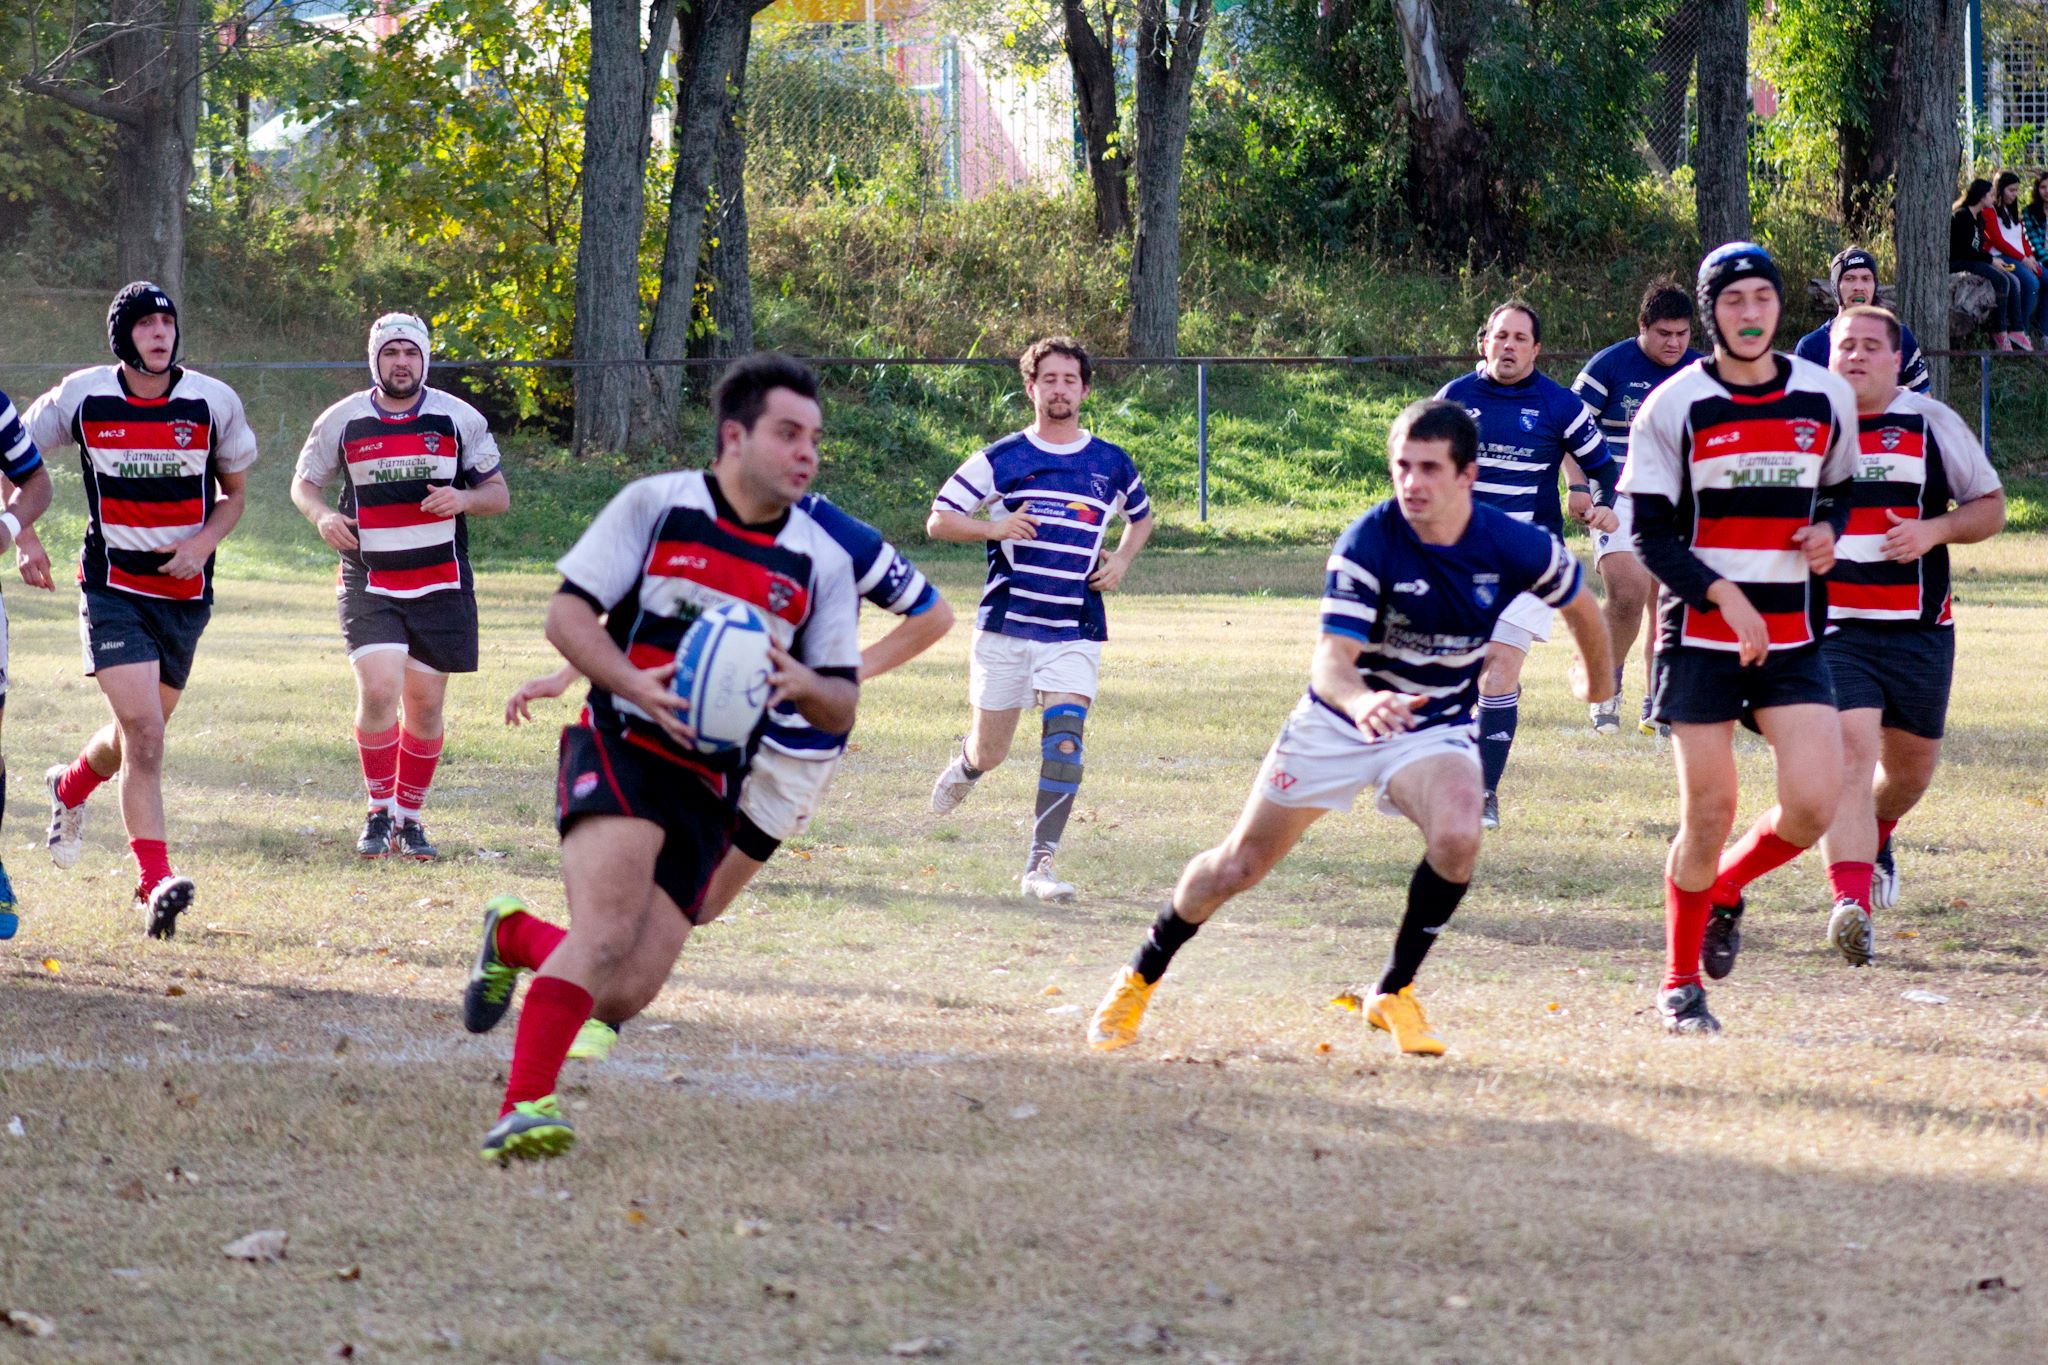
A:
(1995, 1286)
(1456, 1301)
(52, 965)
(349, 1274)
(266, 1245)
(783, 1292)
(345, 1351)
(635, 1218)
(14, 1128)
(341, 1045)
(1322, 1047)
(132, 1190)
(1923, 997)
(432, 902)
(921, 1347)
(1063, 1011)
(751, 1227)
(1347, 1001)
(1024, 1111)
(1050, 990)
(30, 1324)
(159, 1026)
(174, 990)
(1148, 1337)
(226, 932)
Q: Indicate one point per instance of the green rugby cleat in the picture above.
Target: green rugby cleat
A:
(534, 1129)
(491, 979)
(594, 1041)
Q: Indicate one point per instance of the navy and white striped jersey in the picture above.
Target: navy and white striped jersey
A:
(1038, 589)
(1614, 384)
(1525, 431)
(1422, 614)
(1815, 345)
(883, 577)
(19, 457)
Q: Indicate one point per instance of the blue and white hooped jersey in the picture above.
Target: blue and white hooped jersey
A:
(882, 576)
(1423, 614)
(1913, 374)
(19, 457)
(1525, 431)
(1614, 384)
(1038, 589)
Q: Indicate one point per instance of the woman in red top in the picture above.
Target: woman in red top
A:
(2006, 239)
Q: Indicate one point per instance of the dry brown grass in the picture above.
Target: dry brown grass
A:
(863, 1063)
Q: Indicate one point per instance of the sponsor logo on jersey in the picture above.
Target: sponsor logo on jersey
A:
(1418, 586)
(679, 560)
(1723, 439)
(148, 469)
(1083, 512)
(585, 784)
(405, 473)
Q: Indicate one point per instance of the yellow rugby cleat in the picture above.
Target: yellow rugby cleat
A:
(1116, 1019)
(594, 1041)
(1401, 1015)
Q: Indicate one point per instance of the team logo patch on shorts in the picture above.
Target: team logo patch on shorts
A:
(1282, 779)
(584, 785)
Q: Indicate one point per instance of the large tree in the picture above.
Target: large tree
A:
(1091, 52)
(1721, 164)
(137, 64)
(726, 268)
(1930, 156)
(1169, 53)
(1446, 180)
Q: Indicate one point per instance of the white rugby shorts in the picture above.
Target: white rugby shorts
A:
(1005, 673)
(1322, 761)
(1525, 622)
(781, 793)
(1622, 539)
(3, 647)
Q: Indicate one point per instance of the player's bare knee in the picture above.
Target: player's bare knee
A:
(142, 744)
(1454, 852)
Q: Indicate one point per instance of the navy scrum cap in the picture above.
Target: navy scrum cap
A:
(134, 303)
(1725, 265)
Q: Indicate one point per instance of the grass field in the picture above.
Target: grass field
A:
(862, 1116)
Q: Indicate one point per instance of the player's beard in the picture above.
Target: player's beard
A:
(1058, 410)
(396, 393)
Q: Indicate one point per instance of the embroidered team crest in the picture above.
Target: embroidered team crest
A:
(1804, 434)
(1282, 780)
(183, 432)
(1629, 404)
(781, 592)
(1098, 484)
(585, 784)
(1528, 419)
(432, 441)
(1890, 437)
(1485, 588)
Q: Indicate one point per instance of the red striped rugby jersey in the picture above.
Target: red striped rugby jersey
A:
(666, 549)
(1915, 458)
(1744, 465)
(151, 471)
(391, 463)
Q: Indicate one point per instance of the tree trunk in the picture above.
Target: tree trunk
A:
(1168, 56)
(1672, 60)
(1446, 187)
(1094, 65)
(732, 289)
(614, 209)
(1870, 144)
(155, 67)
(712, 64)
(1721, 164)
(1930, 159)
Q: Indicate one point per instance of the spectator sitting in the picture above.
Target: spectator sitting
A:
(2034, 217)
(1966, 253)
(2007, 242)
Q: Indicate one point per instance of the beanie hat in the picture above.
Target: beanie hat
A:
(135, 302)
(1725, 265)
(1846, 260)
(398, 327)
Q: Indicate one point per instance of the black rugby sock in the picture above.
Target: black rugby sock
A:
(1431, 902)
(1167, 935)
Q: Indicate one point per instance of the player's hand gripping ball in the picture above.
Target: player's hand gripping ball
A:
(722, 670)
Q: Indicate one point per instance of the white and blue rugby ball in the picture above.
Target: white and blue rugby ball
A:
(722, 670)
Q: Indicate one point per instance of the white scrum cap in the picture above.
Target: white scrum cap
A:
(399, 327)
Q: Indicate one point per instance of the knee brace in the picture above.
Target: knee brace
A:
(1060, 748)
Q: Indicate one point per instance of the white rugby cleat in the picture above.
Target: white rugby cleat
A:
(67, 823)
(1040, 884)
(952, 787)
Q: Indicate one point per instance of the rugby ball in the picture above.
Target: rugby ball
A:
(722, 670)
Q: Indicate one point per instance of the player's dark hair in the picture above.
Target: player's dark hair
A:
(1883, 315)
(1664, 300)
(1515, 306)
(741, 394)
(1027, 364)
(1436, 419)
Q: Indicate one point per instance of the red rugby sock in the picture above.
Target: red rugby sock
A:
(1851, 880)
(79, 782)
(152, 861)
(1685, 927)
(548, 1023)
(416, 761)
(525, 940)
(1884, 830)
(379, 754)
(1754, 854)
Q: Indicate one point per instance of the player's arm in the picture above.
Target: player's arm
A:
(1333, 674)
(1586, 447)
(820, 673)
(189, 556)
(25, 501)
(492, 497)
(518, 706)
(576, 629)
(1975, 520)
(334, 528)
(912, 636)
(1110, 572)
(946, 524)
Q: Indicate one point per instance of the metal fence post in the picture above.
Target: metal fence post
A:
(1984, 402)
(1201, 441)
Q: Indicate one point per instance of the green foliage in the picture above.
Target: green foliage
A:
(1822, 58)
(823, 119)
